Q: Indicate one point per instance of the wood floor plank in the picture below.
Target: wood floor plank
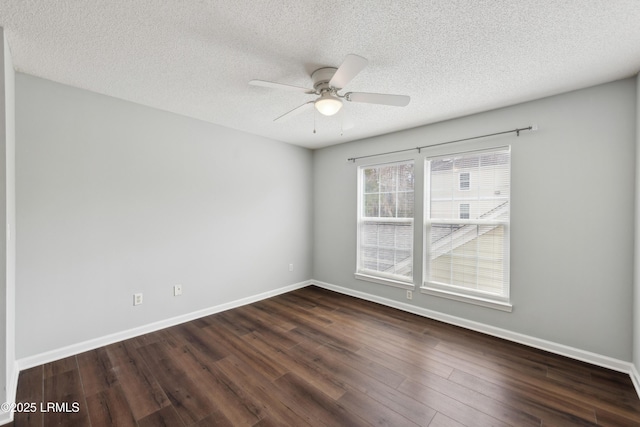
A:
(110, 408)
(226, 394)
(308, 301)
(180, 380)
(417, 365)
(355, 361)
(30, 391)
(589, 399)
(96, 371)
(448, 406)
(215, 419)
(415, 411)
(303, 366)
(299, 317)
(262, 391)
(60, 366)
(372, 411)
(188, 333)
(264, 312)
(548, 407)
(140, 386)
(475, 399)
(315, 407)
(606, 418)
(315, 357)
(235, 322)
(443, 421)
(490, 361)
(165, 417)
(64, 402)
(371, 333)
(269, 367)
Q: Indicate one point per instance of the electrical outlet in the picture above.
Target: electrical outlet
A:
(409, 295)
(177, 290)
(137, 299)
(290, 267)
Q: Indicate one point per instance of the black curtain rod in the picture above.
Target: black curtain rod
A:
(516, 131)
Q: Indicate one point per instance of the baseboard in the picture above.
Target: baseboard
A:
(12, 386)
(60, 353)
(552, 347)
(5, 418)
(635, 378)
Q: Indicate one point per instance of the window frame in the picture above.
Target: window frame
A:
(373, 275)
(448, 290)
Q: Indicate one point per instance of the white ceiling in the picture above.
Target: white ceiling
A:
(196, 57)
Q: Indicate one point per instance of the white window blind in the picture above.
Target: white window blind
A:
(467, 224)
(385, 221)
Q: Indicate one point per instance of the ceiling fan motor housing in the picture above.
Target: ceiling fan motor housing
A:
(321, 78)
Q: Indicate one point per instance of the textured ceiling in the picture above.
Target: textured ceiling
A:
(196, 57)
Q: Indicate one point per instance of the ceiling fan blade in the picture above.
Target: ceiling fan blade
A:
(378, 98)
(294, 112)
(349, 68)
(274, 85)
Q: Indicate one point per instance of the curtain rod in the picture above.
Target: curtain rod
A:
(516, 131)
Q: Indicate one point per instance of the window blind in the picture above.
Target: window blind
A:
(467, 223)
(385, 220)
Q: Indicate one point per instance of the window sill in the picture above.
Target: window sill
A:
(384, 281)
(469, 299)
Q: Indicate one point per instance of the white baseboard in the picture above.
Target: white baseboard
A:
(12, 387)
(635, 378)
(5, 418)
(552, 347)
(60, 353)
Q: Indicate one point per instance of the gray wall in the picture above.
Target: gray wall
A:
(115, 198)
(572, 216)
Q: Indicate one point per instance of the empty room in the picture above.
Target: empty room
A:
(320, 213)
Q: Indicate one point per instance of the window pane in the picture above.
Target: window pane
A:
(371, 184)
(464, 211)
(369, 258)
(405, 205)
(405, 177)
(388, 205)
(386, 220)
(371, 205)
(388, 178)
(469, 256)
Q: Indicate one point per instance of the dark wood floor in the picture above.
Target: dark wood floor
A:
(314, 357)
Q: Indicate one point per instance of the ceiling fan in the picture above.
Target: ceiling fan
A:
(327, 82)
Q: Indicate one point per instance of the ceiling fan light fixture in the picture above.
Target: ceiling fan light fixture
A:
(328, 104)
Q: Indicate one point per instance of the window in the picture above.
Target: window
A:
(385, 223)
(465, 181)
(464, 211)
(467, 235)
